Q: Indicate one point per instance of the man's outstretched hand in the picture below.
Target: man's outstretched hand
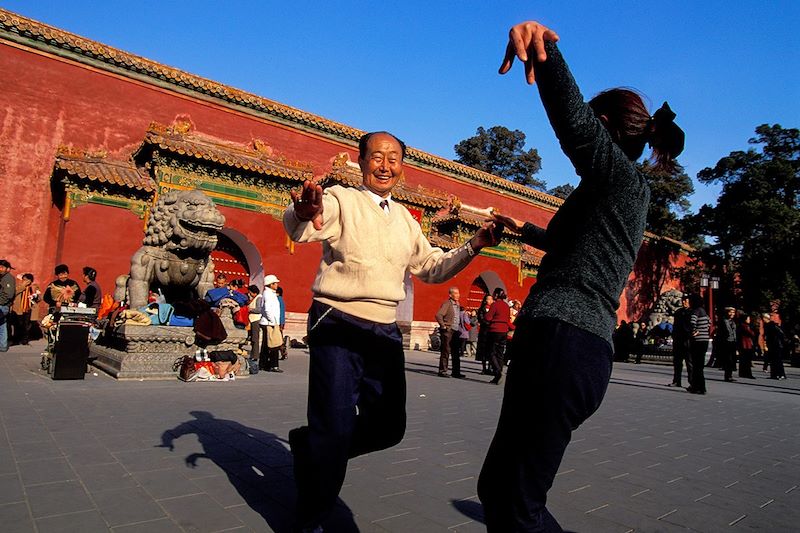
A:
(308, 203)
(526, 42)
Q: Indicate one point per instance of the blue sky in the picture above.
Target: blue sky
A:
(427, 70)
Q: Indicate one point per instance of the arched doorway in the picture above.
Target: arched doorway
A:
(484, 284)
(237, 257)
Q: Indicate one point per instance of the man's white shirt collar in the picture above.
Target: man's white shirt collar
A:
(378, 198)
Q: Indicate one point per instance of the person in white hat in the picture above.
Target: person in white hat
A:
(270, 325)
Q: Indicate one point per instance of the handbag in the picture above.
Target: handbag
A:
(185, 367)
(274, 337)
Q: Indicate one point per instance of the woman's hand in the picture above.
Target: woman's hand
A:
(526, 42)
(488, 235)
(512, 224)
(308, 203)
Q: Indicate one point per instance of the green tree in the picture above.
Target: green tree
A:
(669, 196)
(755, 226)
(501, 152)
(561, 191)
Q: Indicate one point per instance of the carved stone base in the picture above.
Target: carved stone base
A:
(150, 352)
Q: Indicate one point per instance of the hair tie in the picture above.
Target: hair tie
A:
(664, 133)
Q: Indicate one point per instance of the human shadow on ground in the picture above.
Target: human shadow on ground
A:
(258, 465)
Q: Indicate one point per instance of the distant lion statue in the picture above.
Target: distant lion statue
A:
(665, 306)
(176, 253)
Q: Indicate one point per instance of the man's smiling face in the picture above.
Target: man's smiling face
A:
(383, 166)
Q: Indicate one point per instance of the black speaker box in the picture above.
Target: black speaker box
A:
(71, 351)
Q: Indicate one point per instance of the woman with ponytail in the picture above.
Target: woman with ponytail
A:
(562, 343)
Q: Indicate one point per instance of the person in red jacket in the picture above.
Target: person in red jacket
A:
(499, 319)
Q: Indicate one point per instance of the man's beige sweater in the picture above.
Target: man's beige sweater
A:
(366, 252)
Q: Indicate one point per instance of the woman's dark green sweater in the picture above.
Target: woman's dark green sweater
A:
(592, 241)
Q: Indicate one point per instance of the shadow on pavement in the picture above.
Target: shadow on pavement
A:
(251, 459)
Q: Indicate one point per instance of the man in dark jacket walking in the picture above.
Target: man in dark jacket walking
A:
(776, 344)
(681, 335)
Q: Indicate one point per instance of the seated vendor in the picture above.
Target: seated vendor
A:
(62, 290)
(230, 291)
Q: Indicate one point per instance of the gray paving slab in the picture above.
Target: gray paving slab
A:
(121, 507)
(11, 489)
(102, 455)
(16, 518)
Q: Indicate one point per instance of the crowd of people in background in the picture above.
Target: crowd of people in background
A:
(739, 339)
(20, 297)
(261, 312)
(482, 333)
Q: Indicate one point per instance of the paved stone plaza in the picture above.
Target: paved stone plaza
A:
(99, 455)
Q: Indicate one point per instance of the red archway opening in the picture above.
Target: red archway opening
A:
(229, 260)
(477, 290)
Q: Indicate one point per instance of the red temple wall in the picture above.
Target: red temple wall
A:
(101, 237)
(48, 101)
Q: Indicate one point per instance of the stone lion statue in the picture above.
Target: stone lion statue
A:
(665, 307)
(176, 253)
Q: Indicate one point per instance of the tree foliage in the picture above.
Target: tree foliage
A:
(755, 225)
(561, 191)
(669, 196)
(501, 152)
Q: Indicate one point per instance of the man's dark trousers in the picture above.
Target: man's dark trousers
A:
(456, 345)
(558, 378)
(728, 356)
(356, 403)
(680, 353)
(698, 351)
(445, 336)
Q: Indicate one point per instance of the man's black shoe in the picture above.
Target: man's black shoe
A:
(459, 376)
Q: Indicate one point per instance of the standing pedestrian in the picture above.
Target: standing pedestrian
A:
(284, 350)
(254, 321)
(499, 320)
(20, 318)
(271, 338)
(776, 344)
(640, 341)
(7, 290)
(727, 337)
(746, 339)
(698, 345)
(681, 341)
(449, 319)
(472, 336)
(484, 348)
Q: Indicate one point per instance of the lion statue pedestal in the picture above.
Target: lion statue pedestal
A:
(175, 258)
(150, 352)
